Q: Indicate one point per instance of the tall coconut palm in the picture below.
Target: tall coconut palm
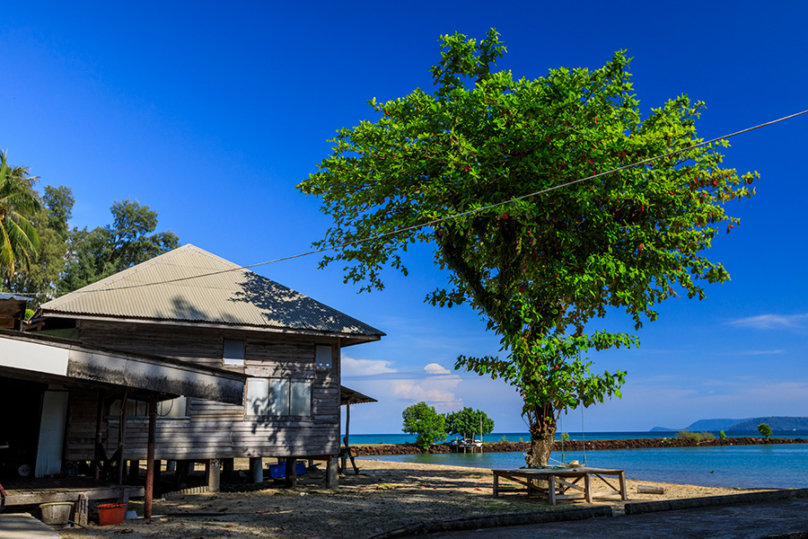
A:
(18, 239)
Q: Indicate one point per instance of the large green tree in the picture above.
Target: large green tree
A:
(129, 240)
(468, 421)
(540, 267)
(423, 420)
(19, 240)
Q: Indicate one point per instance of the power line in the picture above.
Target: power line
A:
(460, 214)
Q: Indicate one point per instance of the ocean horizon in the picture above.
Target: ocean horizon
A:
(374, 439)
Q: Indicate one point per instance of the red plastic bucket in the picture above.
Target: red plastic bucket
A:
(111, 513)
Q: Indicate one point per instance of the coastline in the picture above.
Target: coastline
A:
(571, 445)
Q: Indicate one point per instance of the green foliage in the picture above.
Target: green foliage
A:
(722, 435)
(423, 420)
(565, 436)
(687, 435)
(707, 436)
(765, 430)
(103, 251)
(467, 422)
(540, 268)
(19, 240)
(40, 279)
(504, 440)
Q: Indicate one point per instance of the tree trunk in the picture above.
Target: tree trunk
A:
(542, 437)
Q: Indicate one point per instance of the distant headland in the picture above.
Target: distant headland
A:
(777, 423)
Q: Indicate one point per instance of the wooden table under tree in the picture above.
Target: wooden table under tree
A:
(562, 479)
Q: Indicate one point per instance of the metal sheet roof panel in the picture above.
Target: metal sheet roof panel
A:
(192, 285)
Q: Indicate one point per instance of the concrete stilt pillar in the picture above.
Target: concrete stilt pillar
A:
(257, 469)
(213, 472)
(332, 473)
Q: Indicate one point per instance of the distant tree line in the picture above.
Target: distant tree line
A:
(42, 256)
(431, 427)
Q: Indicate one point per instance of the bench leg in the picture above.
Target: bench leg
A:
(551, 488)
(623, 493)
(588, 488)
(496, 485)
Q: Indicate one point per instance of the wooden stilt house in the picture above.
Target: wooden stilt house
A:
(192, 306)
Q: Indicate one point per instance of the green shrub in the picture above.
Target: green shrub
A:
(565, 436)
(687, 435)
(504, 440)
(722, 435)
(707, 436)
(521, 440)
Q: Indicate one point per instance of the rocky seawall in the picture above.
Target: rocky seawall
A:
(572, 445)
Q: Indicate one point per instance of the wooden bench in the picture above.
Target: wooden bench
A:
(563, 479)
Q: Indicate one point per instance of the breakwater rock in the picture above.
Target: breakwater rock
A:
(572, 445)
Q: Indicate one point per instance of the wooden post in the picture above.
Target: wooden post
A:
(551, 487)
(133, 475)
(291, 472)
(122, 434)
(623, 492)
(496, 485)
(82, 508)
(147, 506)
(228, 467)
(213, 473)
(588, 488)
(348, 424)
(99, 423)
(158, 473)
(181, 477)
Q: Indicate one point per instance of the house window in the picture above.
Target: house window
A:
(257, 396)
(323, 357)
(233, 352)
(173, 408)
(138, 409)
(278, 397)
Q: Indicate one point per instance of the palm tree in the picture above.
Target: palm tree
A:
(18, 239)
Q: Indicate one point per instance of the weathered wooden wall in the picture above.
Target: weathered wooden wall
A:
(216, 430)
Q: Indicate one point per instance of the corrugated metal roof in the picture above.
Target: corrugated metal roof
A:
(192, 285)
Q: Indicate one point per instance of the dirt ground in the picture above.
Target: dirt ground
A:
(383, 497)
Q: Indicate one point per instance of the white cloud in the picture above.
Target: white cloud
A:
(434, 368)
(761, 352)
(772, 321)
(439, 393)
(365, 367)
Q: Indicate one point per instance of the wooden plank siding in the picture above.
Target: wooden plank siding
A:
(213, 429)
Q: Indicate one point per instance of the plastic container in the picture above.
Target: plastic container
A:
(111, 513)
(278, 471)
(56, 514)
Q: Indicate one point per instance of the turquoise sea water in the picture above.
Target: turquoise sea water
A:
(756, 466)
(364, 439)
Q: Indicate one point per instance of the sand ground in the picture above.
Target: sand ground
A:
(383, 497)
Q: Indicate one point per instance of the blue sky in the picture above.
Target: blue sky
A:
(212, 112)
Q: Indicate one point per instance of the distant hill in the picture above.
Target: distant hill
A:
(707, 425)
(778, 424)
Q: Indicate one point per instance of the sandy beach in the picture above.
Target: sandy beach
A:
(383, 497)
